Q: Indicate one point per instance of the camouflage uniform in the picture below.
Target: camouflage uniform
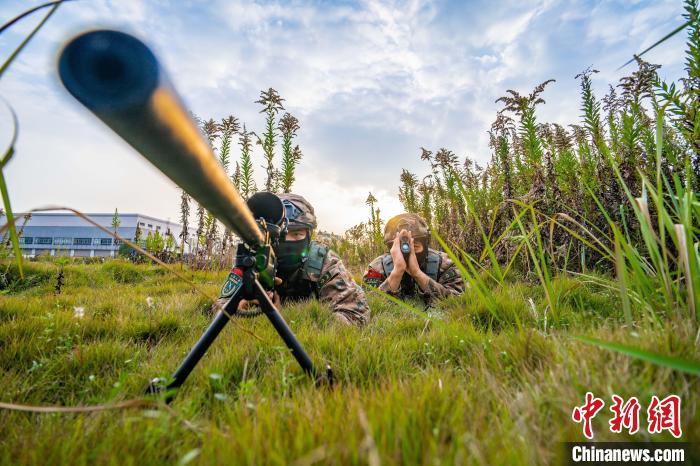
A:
(331, 284)
(448, 283)
(445, 279)
(317, 271)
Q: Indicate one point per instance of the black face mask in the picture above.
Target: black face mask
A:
(290, 254)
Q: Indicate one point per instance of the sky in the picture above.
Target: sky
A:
(371, 82)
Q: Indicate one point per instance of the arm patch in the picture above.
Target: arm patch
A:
(373, 277)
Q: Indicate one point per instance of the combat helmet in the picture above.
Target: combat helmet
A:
(299, 212)
(408, 221)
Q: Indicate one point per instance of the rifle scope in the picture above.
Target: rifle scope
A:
(119, 79)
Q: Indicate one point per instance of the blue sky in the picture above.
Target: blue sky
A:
(370, 81)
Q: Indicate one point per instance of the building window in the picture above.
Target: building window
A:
(105, 241)
(43, 241)
(117, 242)
(63, 241)
(142, 224)
(82, 241)
(158, 227)
(26, 240)
(150, 225)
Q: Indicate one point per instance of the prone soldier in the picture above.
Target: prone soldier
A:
(307, 268)
(418, 270)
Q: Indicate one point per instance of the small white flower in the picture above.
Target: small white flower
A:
(78, 312)
(149, 301)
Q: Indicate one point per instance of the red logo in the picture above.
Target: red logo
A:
(665, 415)
(661, 415)
(587, 412)
(626, 415)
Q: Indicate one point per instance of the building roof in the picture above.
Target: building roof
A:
(95, 216)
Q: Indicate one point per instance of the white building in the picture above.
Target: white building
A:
(67, 234)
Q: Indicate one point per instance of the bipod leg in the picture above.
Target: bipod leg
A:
(289, 338)
(283, 330)
(198, 350)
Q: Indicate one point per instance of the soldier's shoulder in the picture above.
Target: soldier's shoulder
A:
(331, 259)
(320, 245)
(334, 271)
(317, 261)
(445, 261)
(378, 261)
(324, 251)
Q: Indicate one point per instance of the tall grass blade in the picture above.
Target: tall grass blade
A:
(685, 262)
(9, 152)
(472, 278)
(689, 367)
(621, 269)
(658, 42)
(14, 238)
(26, 40)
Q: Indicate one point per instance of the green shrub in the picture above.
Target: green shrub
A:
(123, 272)
(34, 275)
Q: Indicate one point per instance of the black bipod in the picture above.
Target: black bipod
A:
(247, 287)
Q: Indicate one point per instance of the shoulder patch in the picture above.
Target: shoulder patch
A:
(232, 284)
(315, 260)
(373, 277)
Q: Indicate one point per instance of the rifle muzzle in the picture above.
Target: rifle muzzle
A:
(119, 79)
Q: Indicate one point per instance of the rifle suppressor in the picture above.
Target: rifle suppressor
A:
(119, 79)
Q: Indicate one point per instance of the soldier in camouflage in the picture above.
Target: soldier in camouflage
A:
(308, 268)
(423, 271)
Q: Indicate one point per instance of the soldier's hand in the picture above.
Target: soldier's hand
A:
(253, 303)
(394, 278)
(412, 267)
(397, 255)
(246, 304)
(276, 300)
(275, 296)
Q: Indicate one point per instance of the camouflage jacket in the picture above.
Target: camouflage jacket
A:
(332, 284)
(448, 282)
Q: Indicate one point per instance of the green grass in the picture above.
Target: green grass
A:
(474, 385)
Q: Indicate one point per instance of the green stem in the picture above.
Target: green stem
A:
(28, 38)
(11, 223)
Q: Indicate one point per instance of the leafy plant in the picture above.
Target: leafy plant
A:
(272, 104)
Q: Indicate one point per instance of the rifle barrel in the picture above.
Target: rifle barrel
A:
(118, 78)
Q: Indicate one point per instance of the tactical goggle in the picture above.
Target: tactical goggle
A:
(292, 213)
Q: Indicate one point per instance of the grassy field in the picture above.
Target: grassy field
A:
(465, 386)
